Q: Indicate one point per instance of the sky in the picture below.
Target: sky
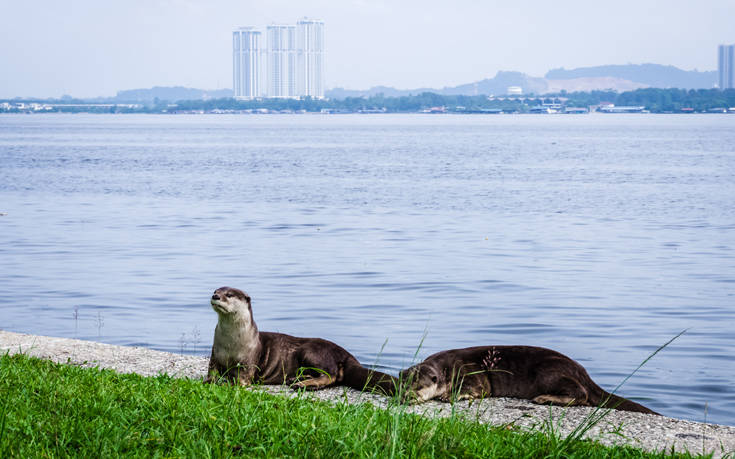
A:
(90, 48)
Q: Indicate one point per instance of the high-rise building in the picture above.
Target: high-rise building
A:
(310, 58)
(246, 63)
(281, 61)
(726, 66)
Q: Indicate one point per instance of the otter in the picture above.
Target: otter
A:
(243, 355)
(541, 375)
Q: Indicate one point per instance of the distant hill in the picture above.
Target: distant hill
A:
(496, 85)
(607, 77)
(170, 94)
(653, 75)
(587, 84)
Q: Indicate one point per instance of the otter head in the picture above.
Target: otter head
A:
(424, 382)
(232, 303)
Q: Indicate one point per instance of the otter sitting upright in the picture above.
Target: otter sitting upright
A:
(535, 373)
(245, 356)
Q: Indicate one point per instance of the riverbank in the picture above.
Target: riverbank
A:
(651, 433)
(55, 410)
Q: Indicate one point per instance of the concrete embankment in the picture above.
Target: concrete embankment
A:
(652, 433)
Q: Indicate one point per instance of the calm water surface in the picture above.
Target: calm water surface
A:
(598, 236)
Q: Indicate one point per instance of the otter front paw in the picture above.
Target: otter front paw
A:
(303, 385)
(546, 399)
(295, 382)
(312, 383)
(213, 377)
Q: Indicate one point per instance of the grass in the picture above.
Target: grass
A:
(58, 410)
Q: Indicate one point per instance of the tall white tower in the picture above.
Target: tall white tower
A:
(726, 66)
(246, 63)
(310, 58)
(281, 61)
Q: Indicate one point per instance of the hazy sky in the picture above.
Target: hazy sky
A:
(91, 48)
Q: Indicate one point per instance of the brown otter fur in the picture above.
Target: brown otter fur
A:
(534, 373)
(242, 354)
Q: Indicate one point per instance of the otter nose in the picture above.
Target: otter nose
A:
(215, 297)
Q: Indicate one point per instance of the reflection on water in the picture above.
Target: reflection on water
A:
(600, 237)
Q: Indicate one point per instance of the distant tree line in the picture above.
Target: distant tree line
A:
(658, 100)
(655, 100)
(663, 100)
(412, 103)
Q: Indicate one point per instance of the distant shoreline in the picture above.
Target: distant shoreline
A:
(214, 112)
(645, 100)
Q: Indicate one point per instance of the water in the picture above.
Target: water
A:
(599, 236)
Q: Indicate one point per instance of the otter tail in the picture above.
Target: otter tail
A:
(358, 377)
(608, 400)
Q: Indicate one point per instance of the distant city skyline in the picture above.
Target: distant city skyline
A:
(101, 48)
(289, 63)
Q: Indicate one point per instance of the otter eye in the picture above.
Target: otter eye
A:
(433, 379)
(229, 295)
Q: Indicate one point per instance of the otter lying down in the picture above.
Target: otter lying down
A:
(538, 374)
(244, 355)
